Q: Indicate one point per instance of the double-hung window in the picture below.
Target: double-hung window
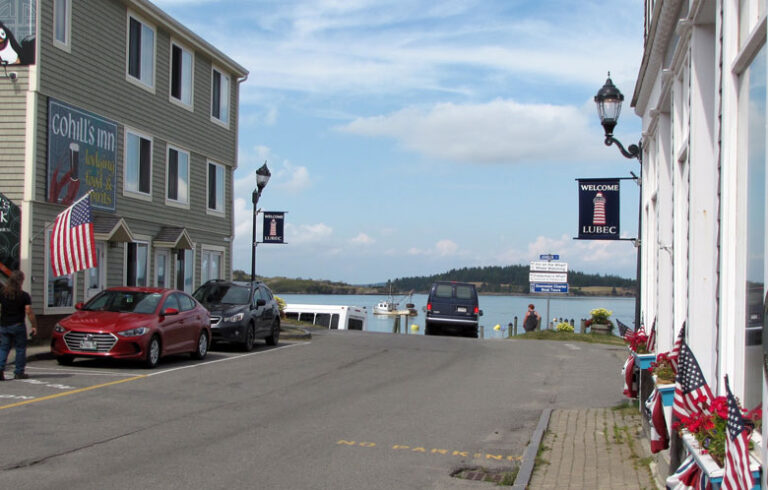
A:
(216, 175)
(182, 69)
(220, 97)
(62, 23)
(138, 165)
(177, 177)
(141, 52)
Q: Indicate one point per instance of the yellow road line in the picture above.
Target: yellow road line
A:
(73, 392)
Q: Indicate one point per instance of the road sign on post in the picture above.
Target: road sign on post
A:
(548, 277)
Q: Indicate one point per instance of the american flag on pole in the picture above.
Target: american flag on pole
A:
(674, 356)
(737, 475)
(651, 343)
(72, 244)
(623, 328)
(692, 393)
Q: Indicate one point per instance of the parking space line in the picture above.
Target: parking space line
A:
(200, 364)
(82, 371)
(72, 392)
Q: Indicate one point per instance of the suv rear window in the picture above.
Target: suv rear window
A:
(444, 291)
(464, 292)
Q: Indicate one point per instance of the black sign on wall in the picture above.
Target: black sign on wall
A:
(10, 233)
(273, 227)
(599, 209)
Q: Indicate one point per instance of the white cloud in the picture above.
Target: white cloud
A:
(362, 239)
(292, 178)
(303, 234)
(443, 248)
(500, 131)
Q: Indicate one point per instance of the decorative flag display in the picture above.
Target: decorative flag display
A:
(598, 209)
(689, 476)
(737, 475)
(674, 356)
(692, 393)
(630, 386)
(624, 329)
(654, 409)
(72, 244)
(273, 226)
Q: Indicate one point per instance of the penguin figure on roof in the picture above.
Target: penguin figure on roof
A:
(9, 48)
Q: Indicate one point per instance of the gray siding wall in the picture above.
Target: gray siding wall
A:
(92, 76)
(13, 107)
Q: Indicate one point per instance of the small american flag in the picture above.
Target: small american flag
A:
(692, 393)
(651, 343)
(72, 243)
(737, 475)
(623, 328)
(674, 356)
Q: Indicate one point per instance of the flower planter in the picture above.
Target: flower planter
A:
(643, 361)
(601, 328)
(667, 392)
(712, 470)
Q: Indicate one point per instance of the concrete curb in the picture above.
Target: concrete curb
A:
(529, 457)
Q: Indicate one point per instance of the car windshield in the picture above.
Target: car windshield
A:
(125, 302)
(228, 294)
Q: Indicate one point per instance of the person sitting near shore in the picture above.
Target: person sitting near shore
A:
(531, 320)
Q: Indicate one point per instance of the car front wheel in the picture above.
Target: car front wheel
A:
(274, 336)
(250, 338)
(153, 353)
(202, 346)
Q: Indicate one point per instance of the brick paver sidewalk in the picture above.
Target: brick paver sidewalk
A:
(592, 449)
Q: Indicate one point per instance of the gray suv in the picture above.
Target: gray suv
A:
(452, 308)
(241, 312)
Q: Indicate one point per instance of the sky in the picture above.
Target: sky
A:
(411, 137)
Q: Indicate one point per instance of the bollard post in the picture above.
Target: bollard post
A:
(396, 326)
(481, 331)
(583, 326)
(515, 325)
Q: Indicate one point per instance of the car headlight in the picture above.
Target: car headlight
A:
(134, 332)
(237, 317)
(59, 329)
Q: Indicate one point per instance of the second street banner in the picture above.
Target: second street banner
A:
(273, 227)
(599, 209)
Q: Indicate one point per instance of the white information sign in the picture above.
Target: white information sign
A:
(544, 266)
(547, 277)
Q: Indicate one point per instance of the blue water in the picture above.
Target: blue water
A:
(497, 310)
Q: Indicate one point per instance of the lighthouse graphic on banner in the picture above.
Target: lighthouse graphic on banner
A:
(599, 209)
(598, 216)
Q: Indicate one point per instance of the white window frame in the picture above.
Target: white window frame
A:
(178, 203)
(139, 240)
(126, 190)
(180, 101)
(216, 211)
(67, 26)
(169, 266)
(55, 310)
(222, 121)
(209, 250)
(140, 81)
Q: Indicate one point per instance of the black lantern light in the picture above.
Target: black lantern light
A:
(262, 178)
(608, 100)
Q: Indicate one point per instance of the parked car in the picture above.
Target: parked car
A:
(133, 323)
(452, 308)
(241, 312)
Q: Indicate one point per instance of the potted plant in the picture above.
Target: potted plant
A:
(599, 322)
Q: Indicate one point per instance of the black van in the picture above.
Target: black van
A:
(452, 307)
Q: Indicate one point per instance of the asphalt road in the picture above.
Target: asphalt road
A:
(346, 410)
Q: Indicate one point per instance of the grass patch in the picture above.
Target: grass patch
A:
(501, 477)
(593, 338)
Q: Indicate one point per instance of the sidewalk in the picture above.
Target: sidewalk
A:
(597, 448)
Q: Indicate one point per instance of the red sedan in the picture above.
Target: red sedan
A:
(134, 323)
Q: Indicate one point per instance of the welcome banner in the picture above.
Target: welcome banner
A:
(598, 209)
(273, 227)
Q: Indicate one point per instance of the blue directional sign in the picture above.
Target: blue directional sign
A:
(546, 287)
(549, 257)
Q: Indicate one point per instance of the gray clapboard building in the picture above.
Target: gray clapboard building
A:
(116, 98)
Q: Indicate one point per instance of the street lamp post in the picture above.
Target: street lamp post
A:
(608, 100)
(262, 177)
